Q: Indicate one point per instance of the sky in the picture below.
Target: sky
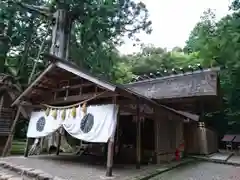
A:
(173, 21)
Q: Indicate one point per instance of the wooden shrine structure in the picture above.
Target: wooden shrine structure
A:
(63, 83)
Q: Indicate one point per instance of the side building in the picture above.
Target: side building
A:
(193, 94)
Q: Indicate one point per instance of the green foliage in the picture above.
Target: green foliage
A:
(18, 147)
(101, 24)
(152, 60)
(217, 42)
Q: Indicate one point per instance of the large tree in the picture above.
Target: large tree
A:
(98, 27)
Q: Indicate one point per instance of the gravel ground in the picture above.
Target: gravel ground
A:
(201, 171)
(76, 168)
(10, 175)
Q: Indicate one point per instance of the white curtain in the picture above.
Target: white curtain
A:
(41, 125)
(96, 125)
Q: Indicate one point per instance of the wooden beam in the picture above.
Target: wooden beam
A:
(57, 77)
(42, 88)
(45, 89)
(71, 99)
(133, 112)
(48, 84)
(77, 86)
(152, 103)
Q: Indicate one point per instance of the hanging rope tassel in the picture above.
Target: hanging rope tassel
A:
(47, 112)
(84, 108)
(63, 115)
(74, 112)
(69, 113)
(54, 114)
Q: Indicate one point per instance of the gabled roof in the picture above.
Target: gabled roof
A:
(62, 66)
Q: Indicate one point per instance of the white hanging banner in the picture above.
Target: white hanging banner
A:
(97, 124)
(41, 125)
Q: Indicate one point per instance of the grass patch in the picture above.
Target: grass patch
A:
(18, 147)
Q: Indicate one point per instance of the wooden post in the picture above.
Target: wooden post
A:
(156, 139)
(59, 141)
(116, 144)
(110, 156)
(138, 137)
(1, 103)
(11, 134)
(26, 151)
(110, 152)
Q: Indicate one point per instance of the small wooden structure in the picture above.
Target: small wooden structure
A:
(228, 140)
(8, 92)
(232, 142)
(236, 142)
(63, 83)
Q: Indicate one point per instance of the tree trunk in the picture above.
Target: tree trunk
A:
(27, 45)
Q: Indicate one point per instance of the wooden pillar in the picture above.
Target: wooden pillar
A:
(27, 147)
(7, 146)
(156, 139)
(116, 141)
(1, 103)
(59, 141)
(138, 137)
(110, 156)
(1, 99)
(110, 152)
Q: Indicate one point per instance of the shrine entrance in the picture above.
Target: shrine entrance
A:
(127, 140)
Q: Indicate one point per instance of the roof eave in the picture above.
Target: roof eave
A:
(213, 69)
